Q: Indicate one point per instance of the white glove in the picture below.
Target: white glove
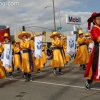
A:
(0, 44)
(21, 52)
(28, 39)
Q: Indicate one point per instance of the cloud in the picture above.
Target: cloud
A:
(32, 13)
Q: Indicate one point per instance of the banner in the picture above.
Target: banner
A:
(38, 47)
(7, 56)
(90, 47)
(71, 41)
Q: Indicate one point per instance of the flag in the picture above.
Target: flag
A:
(7, 56)
(90, 47)
(38, 46)
(71, 41)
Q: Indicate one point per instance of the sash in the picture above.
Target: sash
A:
(96, 56)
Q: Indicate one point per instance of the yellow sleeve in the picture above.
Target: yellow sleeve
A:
(43, 48)
(87, 41)
(56, 42)
(65, 45)
(98, 39)
(81, 40)
(16, 49)
(25, 45)
(2, 47)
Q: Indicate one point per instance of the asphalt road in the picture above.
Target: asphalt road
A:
(47, 86)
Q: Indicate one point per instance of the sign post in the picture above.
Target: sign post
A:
(74, 20)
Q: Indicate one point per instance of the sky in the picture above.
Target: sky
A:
(33, 15)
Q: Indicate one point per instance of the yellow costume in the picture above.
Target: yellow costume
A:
(57, 61)
(25, 47)
(82, 56)
(2, 49)
(17, 56)
(65, 48)
(44, 48)
(2, 71)
(38, 62)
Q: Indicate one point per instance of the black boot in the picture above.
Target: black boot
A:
(25, 75)
(81, 66)
(29, 77)
(88, 83)
(39, 71)
(60, 69)
(10, 75)
(84, 67)
(54, 71)
(18, 70)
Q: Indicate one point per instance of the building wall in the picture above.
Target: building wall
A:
(45, 38)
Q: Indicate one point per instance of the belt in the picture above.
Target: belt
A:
(61, 51)
(57, 48)
(82, 44)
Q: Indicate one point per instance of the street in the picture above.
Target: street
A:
(47, 86)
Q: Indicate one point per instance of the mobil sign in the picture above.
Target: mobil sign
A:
(70, 19)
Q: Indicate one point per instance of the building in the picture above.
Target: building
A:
(46, 39)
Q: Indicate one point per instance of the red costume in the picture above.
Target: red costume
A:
(93, 67)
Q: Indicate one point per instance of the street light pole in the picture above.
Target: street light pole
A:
(59, 18)
(58, 14)
(54, 15)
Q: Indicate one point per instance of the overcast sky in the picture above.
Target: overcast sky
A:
(32, 13)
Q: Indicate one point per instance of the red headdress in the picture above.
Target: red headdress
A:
(93, 16)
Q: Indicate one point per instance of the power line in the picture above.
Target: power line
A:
(39, 27)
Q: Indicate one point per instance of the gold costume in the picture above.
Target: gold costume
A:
(65, 48)
(26, 47)
(17, 57)
(82, 56)
(2, 48)
(57, 60)
(44, 48)
(2, 71)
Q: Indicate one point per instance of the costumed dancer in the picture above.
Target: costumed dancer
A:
(44, 49)
(38, 62)
(2, 71)
(17, 56)
(8, 69)
(27, 49)
(93, 67)
(82, 56)
(65, 49)
(57, 60)
(90, 43)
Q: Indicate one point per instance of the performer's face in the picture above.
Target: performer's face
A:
(81, 35)
(55, 37)
(97, 19)
(24, 37)
(6, 39)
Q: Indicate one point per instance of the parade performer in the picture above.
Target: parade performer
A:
(57, 60)
(27, 61)
(82, 56)
(17, 56)
(93, 67)
(2, 71)
(90, 43)
(8, 69)
(38, 62)
(44, 49)
(65, 49)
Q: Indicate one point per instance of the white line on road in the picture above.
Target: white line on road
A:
(56, 84)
